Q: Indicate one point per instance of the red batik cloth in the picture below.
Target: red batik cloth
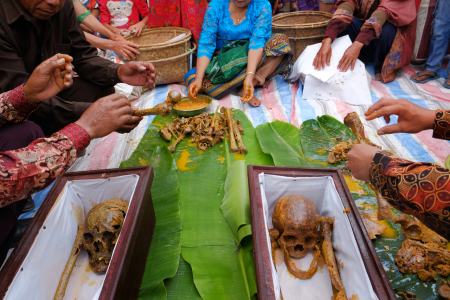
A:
(28, 170)
(164, 13)
(419, 189)
(401, 13)
(192, 14)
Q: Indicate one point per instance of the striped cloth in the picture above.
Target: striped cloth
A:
(283, 101)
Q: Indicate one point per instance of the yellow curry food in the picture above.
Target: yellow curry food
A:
(190, 105)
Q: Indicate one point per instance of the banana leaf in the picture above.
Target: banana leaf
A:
(212, 256)
(165, 250)
(312, 141)
(282, 141)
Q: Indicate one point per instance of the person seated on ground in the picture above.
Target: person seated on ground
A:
(308, 5)
(28, 161)
(121, 16)
(416, 188)
(440, 37)
(32, 31)
(382, 32)
(238, 34)
(90, 24)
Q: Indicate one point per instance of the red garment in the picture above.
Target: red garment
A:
(28, 170)
(419, 189)
(164, 13)
(122, 13)
(192, 14)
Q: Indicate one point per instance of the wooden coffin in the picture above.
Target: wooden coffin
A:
(126, 269)
(380, 282)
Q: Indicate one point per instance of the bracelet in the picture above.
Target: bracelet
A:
(83, 16)
(250, 73)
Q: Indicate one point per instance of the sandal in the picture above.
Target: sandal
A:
(445, 82)
(433, 76)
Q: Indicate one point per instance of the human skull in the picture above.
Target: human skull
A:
(297, 220)
(102, 228)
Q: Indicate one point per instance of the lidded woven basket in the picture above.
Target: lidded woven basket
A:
(303, 28)
(171, 59)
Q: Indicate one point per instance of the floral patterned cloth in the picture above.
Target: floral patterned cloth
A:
(31, 169)
(192, 14)
(164, 13)
(218, 25)
(419, 189)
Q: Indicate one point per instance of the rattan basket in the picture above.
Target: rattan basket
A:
(153, 43)
(173, 69)
(171, 60)
(303, 28)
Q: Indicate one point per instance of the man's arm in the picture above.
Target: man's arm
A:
(15, 107)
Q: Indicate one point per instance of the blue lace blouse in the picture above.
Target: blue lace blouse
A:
(218, 25)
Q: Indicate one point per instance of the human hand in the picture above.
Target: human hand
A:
(116, 37)
(411, 117)
(360, 159)
(137, 28)
(117, 31)
(249, 90)
(324, 55)
(49, 78)
(194, 88)
(108, 114)
(137, 73)
(350, 57)
(125, 48)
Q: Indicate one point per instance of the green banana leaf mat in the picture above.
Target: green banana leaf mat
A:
(202, 245)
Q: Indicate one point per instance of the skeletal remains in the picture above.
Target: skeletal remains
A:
(296, 230)
(206, 131)
(99, 236)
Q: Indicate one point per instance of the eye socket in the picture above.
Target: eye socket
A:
(88, 237)
(289, 238)
(309, 241)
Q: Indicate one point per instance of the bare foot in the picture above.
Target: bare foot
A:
(255, 102)
(378, 77)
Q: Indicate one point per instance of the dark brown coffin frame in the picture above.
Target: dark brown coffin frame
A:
(127, 266)
(380, 282)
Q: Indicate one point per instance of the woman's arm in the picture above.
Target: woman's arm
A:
(122, 47)
(89, 20)
(254, 57)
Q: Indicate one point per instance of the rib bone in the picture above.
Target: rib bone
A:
(227, 113)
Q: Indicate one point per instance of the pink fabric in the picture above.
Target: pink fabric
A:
(399, 12)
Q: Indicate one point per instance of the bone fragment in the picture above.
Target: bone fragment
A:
(175, 143)
(384, 209)
(300, 274)
(227, 113)
(416, 230)
(444, 290)
(65, 276)
(162, 109)
(326, 226)
(237, 134)
(165, 133)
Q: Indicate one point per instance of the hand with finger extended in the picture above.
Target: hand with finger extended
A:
(194, 88)
(127, 49)
(249, 89)
(350, 57)
(324, 55)
(49, 78)
(108, 114)
(137, 73)
(411, 117)
(360, 159)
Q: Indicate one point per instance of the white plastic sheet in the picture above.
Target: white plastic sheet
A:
(41, 270)
(322, 191)
(329, 83)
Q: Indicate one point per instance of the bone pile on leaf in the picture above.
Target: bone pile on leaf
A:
(296, 231)
(162, 109)
(421, 258)
(206, 131)
(98, 236)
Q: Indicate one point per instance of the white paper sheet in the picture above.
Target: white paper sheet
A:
(329, 83)
(322, 191)
(47, 258)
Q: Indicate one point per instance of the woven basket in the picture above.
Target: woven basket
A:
(153, 43)
(303, 28)
(173, 69)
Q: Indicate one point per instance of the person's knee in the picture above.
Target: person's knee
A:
(16, 136)
(388, 33)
